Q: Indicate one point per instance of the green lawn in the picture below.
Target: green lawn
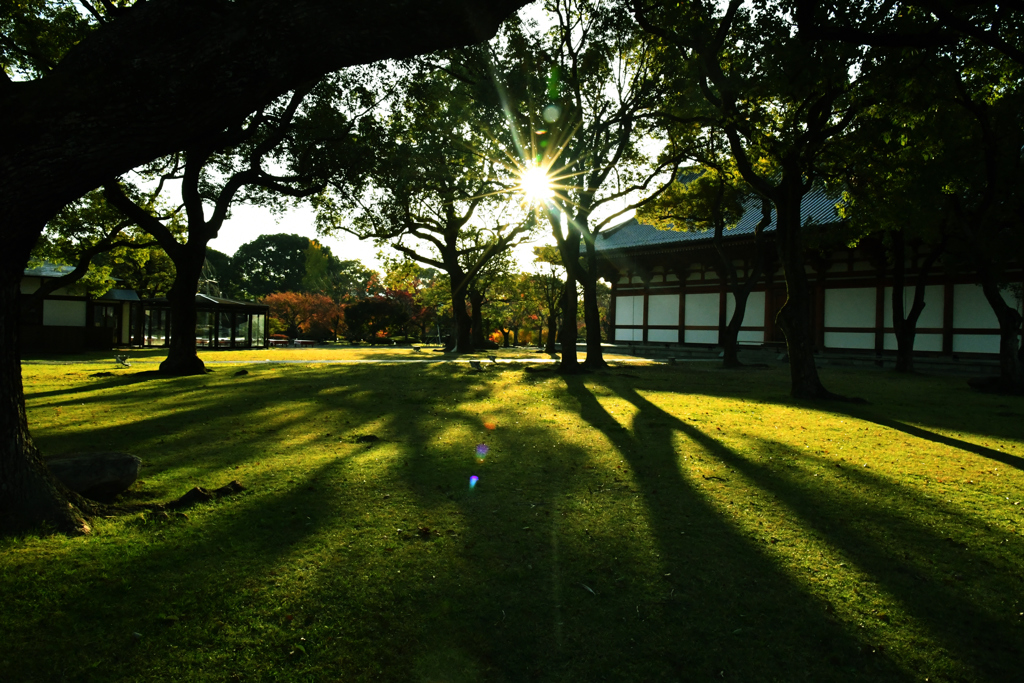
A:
(646, 523)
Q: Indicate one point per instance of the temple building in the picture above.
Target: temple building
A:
(666, 291)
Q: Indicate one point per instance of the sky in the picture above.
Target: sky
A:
(249, 222)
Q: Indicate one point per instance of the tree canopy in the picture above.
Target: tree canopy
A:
(152, 79)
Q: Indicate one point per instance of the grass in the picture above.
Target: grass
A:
(646, 523)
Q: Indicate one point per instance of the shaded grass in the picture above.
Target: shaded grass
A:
(641, 524)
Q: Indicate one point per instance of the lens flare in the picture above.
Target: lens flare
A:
(481, 451)
(473, 480)
(535, 184)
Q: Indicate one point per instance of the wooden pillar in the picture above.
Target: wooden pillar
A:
(611, 312)
(880, 312)
(947, 317)
(682, 275)
(723, 300)
(819, 311)
(647, 303)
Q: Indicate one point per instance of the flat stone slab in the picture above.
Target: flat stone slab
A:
(96, 474)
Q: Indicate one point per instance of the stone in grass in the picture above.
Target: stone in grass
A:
(97, 474)
(367, 438)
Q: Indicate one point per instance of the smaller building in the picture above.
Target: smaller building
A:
(68, 320)
(220, 323)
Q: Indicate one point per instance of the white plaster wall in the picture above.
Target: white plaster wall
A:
(971, 308)
(754, 315)
(628, 335)
(849, 340)
(663, 336)
(701, 336)
(850, 308)
(702, 309)
(976, 343)
(663, 309)
(64, 313)
(922, 342)
(671, 277)
(931, 316)
(629, 310)
(750, 337)
(31, 284)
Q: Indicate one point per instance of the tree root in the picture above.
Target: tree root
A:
(194, 497)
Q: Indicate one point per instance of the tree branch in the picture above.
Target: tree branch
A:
(115, 194)
(82, 267)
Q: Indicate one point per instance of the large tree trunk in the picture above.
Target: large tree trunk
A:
(462, 324)
(29, 495)
(904, 324)
(797, 315)
(549, 346)
(476, 307)
(1011, 372)
(591, 311)
(570, 363)
(729, 335)
(182, 358)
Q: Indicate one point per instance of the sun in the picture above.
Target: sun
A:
(535, 184)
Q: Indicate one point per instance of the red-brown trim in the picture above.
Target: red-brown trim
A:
(947, 316)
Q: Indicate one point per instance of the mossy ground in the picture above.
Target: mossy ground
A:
(644, 523)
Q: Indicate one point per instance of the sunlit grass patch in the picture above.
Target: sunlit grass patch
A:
(642, 523)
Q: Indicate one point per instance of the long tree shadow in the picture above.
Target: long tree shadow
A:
(724, 589)
(893, 551)
(937, 402)
(298, 532)
(507, 581)
(178, 591)
(1009, 459)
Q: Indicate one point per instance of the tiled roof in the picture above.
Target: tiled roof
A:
(121, 295)
(818, 207)
(47, 269)
(207, 302)
(54, 270)
(207, 299)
